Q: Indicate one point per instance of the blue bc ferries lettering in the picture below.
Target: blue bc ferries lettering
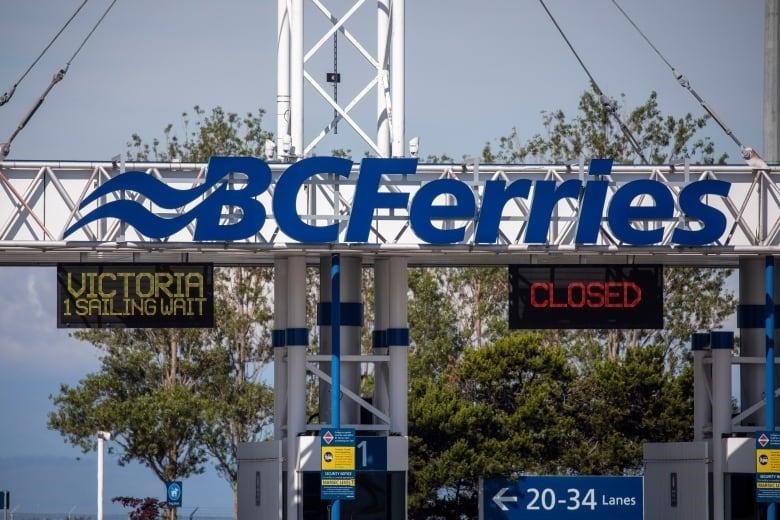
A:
(621, 213)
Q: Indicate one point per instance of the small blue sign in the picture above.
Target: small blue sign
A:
(173, 492)
(563, 498)
(371, 453)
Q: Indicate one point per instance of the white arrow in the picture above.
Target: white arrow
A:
(499, 499)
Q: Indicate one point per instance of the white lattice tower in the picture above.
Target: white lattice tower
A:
(383, 135)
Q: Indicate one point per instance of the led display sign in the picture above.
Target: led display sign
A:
(586, 297)
(135, 295)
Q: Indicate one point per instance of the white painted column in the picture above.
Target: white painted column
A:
(351, 326)
(99, 477)
(750, 320)
(722, 343)
(383, 86)
(702, 407)
(296, 76)
(398, 346)
(279, 342)
(381, 320)
(771, 152)
(323, 321)
(297, 341)
(282, 75)
(398, 79)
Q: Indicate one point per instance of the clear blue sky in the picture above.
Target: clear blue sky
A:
(474, 71)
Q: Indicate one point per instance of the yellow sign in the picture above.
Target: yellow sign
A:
(338, 458)
(768, 461)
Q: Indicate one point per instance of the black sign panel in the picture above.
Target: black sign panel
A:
(586, 297)
(135, 295)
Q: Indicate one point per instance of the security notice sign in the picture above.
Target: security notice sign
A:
(135, 295)
(767, 467)
(337, 452)
(586, 297)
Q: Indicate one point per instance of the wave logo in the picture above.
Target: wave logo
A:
(207, 213)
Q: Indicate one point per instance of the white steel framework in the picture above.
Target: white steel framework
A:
(386, 63)
(40, 200)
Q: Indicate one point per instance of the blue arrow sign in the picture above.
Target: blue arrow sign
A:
(563, 498)
(173, 492)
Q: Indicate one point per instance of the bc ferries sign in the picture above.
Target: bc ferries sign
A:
(638, 213)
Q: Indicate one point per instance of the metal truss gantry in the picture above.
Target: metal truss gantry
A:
(40, 200)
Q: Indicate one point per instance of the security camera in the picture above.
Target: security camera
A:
(414, 147)
(268, 149)
(106, 436)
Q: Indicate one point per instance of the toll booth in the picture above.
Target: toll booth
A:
(380, 493)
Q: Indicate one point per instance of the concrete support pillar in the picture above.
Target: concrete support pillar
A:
(722, 343)
(351, 327)
(323, 321)
(279, 342)
(702, 406)
(297, 341)
(351, 323)
(750, 320)
(381, 323)
(398, 345)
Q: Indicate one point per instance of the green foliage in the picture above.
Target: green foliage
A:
(590, 133)
(242, 405)
(485, 401)
(498, 414)
(145, 394)
(175, 398)
(148, 508)
(622, 403)
(217, 133)
(436, 342)
(482, 294)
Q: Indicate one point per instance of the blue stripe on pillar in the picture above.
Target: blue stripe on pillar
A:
(379, 339)
(700, 340)
(722, 339)
(351, 314)
(298, 337)
(397, 337)
(279, 338)
(752, 316)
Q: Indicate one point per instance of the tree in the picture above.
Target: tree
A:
(176, 398)
(436, 343)
(590, 134)
(145, 393)
(474, 384)
(621, 404)
(242, 405)
(501, 414)
(662, 139)
(142, 508)
(218, 133)
(482, 294)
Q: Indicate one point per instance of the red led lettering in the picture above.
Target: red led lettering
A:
(536, 287)
(593, 295)
(576, 295)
